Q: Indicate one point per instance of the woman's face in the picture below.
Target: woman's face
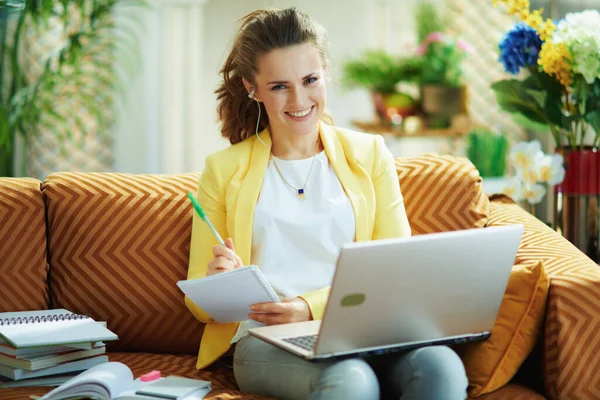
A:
(291, 84)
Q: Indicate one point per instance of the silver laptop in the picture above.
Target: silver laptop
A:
(400, 294)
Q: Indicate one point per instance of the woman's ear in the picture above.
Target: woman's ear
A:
(248, 87)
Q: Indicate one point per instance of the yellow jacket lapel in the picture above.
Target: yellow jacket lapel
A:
(341, 165)
(248, 195)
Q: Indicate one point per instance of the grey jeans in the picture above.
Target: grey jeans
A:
(432, 373)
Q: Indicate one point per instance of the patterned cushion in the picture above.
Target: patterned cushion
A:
(119, 243)
(512, 392)
(571, 340)
(442, 193)
(492, 363)
(223, 382)
(23, 265)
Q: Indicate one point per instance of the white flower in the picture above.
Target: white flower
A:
(581, 33)
(534, 193)
(551, 169)
(526, 157)
(530, 176)
(514, 188)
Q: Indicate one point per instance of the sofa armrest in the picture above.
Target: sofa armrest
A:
(571, 340)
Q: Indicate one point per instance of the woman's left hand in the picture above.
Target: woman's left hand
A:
(292, 309)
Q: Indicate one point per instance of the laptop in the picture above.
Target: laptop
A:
(400, 294)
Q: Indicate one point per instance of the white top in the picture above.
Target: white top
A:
(296, 242)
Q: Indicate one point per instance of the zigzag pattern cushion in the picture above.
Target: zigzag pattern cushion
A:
(23, 265)
(571, 342)
(442, 193)
(119, 243)
(223, 382)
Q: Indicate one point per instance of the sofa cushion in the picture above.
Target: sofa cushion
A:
(23, 261)
(119, 243)
(492, 363)
(570, 358)
(223, 382)
(512, 392)
(442, 193)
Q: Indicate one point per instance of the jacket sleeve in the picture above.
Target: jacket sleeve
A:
(390, 215)
(211, 199)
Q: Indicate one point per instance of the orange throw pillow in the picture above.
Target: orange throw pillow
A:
(492, 363)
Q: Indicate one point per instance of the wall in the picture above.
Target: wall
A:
(149, 136)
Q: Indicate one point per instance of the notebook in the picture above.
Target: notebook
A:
(35, 362)
(18, 374)
(114, 380)
(50, 327)
(227, 296)
(23, 352)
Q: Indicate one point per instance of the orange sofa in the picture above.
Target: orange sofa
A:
(112, 246)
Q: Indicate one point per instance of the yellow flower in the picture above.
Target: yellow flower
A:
(535, 19)
(546, 30)
(555, 59)
(518, 7)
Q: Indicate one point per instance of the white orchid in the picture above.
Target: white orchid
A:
(526, 156)
(534, 193)
(514, 188)
(551, 169)
(533, 168)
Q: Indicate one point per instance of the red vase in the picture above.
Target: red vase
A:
(577, 198)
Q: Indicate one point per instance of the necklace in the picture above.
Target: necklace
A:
(299, 191)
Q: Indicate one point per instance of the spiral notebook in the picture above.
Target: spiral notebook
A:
(50, 327)
(227, 296)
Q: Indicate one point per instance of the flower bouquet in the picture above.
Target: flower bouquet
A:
(561, 90)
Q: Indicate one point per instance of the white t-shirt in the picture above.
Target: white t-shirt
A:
(295, 242)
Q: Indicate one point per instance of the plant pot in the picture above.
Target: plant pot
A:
(392, 108)
(577, 200)
(441, 103)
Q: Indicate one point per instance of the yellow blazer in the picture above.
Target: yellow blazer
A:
(229, 188)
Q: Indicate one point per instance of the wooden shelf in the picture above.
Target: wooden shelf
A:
(459, 128)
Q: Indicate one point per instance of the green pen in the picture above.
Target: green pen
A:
(204, 218)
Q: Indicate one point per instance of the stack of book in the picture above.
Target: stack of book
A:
(47, 348)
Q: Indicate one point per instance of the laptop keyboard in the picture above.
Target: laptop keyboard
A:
(306, 342)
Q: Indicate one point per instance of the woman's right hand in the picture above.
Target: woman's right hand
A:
(225, 259)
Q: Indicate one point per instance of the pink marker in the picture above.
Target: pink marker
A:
(150, 376)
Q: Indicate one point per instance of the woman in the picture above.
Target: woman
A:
(288, 193)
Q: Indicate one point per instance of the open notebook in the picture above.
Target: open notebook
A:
(50, 327)
(114, 381)
(227, 296)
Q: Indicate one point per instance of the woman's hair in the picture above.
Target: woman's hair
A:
(261, 32)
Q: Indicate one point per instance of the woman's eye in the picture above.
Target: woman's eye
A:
(278, 87)
(312, 80)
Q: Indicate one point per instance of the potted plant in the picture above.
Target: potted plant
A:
(380, 73)
(79, 71)
(442, 92)
(560, 94)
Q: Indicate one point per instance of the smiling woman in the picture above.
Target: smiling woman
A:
(289, 192)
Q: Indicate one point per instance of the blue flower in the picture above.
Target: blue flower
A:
(520, 48)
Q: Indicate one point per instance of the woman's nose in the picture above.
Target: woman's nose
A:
(298, 97)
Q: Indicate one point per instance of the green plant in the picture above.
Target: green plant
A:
(427, 20)
(78, 79)
(380, 72)
(487, 151)
(442, 56)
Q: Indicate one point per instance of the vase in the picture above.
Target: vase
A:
(441, 103)
(577, 198)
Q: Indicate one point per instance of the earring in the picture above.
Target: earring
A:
(251, 94)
